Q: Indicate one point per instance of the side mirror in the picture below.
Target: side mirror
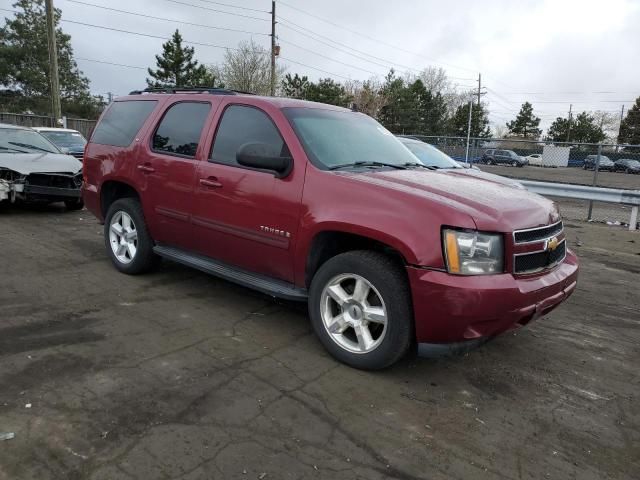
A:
(265, 157)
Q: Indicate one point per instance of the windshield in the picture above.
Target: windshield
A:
(430, 155)
(17, 140)
(332, 138)
(65, 139)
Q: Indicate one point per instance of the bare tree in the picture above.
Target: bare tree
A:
(248, 68)
(367, 96)
(609, 122)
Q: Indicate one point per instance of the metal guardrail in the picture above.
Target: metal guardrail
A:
(585, 192)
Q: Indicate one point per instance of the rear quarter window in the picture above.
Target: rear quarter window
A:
(122, 121)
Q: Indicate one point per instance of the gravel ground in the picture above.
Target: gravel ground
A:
(178, 375)
(567, 175)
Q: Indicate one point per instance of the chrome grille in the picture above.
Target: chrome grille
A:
(539, 261)
(538, 234)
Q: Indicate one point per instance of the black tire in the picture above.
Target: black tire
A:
(627, 171)
(584, 166)
(515, 164)
(144, 258)
(74, 204)
(390, 280)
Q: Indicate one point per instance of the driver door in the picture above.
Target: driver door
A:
(245, 216)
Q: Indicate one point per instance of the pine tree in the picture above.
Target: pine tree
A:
(630, 126)
(295, 87)
(177, 68)
(459, 123)
(526, 123)
(583, 130)
(25, 68)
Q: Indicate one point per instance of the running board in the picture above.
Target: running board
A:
(262, 283)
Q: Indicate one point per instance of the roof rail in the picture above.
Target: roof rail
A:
(210, 90)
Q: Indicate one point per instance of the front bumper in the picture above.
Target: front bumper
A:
(455, 309)
(56, 192)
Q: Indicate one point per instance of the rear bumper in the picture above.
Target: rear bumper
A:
(91, 200)
(458, 309)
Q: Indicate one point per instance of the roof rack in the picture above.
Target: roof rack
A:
(213, 91)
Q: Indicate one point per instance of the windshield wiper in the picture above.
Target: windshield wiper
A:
(27, 145)
(422, 165)
(368, 164)
(12, 149)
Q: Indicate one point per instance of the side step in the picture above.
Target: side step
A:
(262, 283)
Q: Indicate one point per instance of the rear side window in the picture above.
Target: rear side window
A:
(122, 121)
(180, 128)
(240, 125)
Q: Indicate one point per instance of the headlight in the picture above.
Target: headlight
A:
(473, 253)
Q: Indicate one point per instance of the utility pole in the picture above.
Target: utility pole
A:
(466, 155)
(620, 126)
(109, 98)
(273, 47)
(569, 130)
(56, 110)
(479, 89)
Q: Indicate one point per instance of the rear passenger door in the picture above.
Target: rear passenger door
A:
(245, 216)
(167, 168)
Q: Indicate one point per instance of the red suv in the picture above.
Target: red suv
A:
(312, 202)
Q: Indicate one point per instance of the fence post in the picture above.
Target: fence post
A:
(595, 179)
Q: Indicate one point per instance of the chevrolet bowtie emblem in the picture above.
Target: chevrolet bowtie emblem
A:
(552, 244)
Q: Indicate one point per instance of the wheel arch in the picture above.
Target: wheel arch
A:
(112, 190)
(327, 243)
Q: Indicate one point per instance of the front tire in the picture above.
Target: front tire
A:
(127, 240)
(360, 309)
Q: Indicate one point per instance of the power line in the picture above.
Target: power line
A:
(234, 6)
(372, 38)
(145, 34)
(110, 63)
(329, 58)
(165, 19)
(218, 11)
(315, 68)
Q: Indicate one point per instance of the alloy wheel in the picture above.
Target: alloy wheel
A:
(353, 313)
(123, 237)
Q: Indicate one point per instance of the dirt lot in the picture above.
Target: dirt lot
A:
(567, 175)
(180, 375)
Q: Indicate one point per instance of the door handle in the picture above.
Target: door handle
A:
(146, 168)
(211, 182)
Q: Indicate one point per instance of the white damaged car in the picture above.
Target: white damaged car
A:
(34, 170)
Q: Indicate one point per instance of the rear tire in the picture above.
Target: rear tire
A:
(374, 296)
(126, 238)
(515, 164)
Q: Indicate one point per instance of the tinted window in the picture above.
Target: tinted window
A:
(240, 125)
(333, 138)
(122, 121)
(180, 128)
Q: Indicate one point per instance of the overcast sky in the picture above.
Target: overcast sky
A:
(550, 52)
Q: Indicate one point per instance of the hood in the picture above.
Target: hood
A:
(493, 205)
(486, 176)
(27, 163)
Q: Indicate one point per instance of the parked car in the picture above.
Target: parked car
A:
(316, 203)
(627, 165)
(69, 141)
(437, 159)
(605, 163)
(535, 159)
(34, 170)
(503, 157)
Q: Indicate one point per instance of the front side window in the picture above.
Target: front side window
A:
(179, 130)
(122, 121)
(332, 138)
(241, 125)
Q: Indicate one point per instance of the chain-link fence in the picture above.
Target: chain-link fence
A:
(548, 162)
(84, 126)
